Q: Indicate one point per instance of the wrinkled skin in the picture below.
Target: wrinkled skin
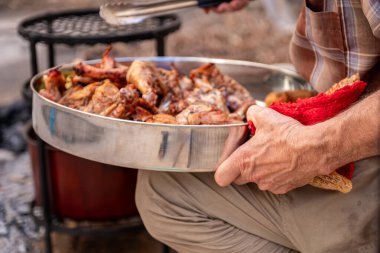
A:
(278, 157)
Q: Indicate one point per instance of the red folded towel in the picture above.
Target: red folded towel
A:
(322, 107)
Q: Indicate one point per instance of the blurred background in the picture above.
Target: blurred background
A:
(258, 33)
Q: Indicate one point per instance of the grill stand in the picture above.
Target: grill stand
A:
(166, 25)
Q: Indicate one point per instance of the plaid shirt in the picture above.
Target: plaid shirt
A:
(335, 39)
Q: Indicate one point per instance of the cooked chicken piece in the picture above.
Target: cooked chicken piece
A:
(107, 69)
(169, 80)
(206, 94)
(107, 61)
(208, 72)
(163, 119)
(54, 82)
(201, 114)
(142, 103)
(77, 96)
(141, 114)
(182, 118)
(211, 118)
(170, 104)
(165, 104)
(115, 74)
(111, 89)
(177, 107)
(81, 80)
(130, 93)
(131, 96)
(186, 85)
(144, 76)
(108, 101)
(234, 93)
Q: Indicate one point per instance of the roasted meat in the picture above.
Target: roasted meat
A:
(144, 75)
(77, 96)
(144, 92)
(54, 83)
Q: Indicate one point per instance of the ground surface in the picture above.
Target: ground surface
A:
(245, 35)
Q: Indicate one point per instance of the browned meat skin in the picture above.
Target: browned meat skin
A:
(115, 74)
(142, 103)
(130, 93)
(141, 114)
(180, 87)
(81, 80)
(132, 98)
(208, 72)
(107, 101)
(165, 104)
(182, 118)
(77, 96)
(205, 93)
(177, 107)
(234, 93)
(144, 76)
(54, 82)
(107, 61)
(186, 84)
(169, 80)
(163, 119)
(135, 91)
(211, 118)
(201, 114)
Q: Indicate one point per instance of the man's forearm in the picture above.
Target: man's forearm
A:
(355, 133)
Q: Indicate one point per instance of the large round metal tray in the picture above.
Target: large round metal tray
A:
(155, 146)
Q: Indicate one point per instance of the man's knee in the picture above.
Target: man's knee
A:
(147, 204)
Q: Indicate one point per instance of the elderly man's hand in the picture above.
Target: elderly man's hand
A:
(283, 154)
(234, 5)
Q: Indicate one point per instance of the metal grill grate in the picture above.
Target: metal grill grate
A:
(88, 27)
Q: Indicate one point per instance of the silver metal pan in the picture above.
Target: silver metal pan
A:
(156, 146)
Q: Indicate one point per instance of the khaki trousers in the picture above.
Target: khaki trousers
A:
(190, 213)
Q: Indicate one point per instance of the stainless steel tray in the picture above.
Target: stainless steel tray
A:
(155, 146)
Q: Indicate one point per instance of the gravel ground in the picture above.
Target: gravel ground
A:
(247, 35)
(17, 229)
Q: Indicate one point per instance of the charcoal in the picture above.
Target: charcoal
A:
(12, 120)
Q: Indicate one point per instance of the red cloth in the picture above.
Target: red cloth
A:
(322, 107)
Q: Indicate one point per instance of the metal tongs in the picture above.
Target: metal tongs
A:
(121, 13)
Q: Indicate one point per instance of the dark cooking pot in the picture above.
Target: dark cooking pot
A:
(81, 189)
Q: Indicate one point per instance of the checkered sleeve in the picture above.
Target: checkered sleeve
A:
(371, 9)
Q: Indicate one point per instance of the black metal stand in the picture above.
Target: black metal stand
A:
(45, 193)
(75, 28)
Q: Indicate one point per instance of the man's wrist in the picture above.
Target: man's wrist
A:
(326, 137)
